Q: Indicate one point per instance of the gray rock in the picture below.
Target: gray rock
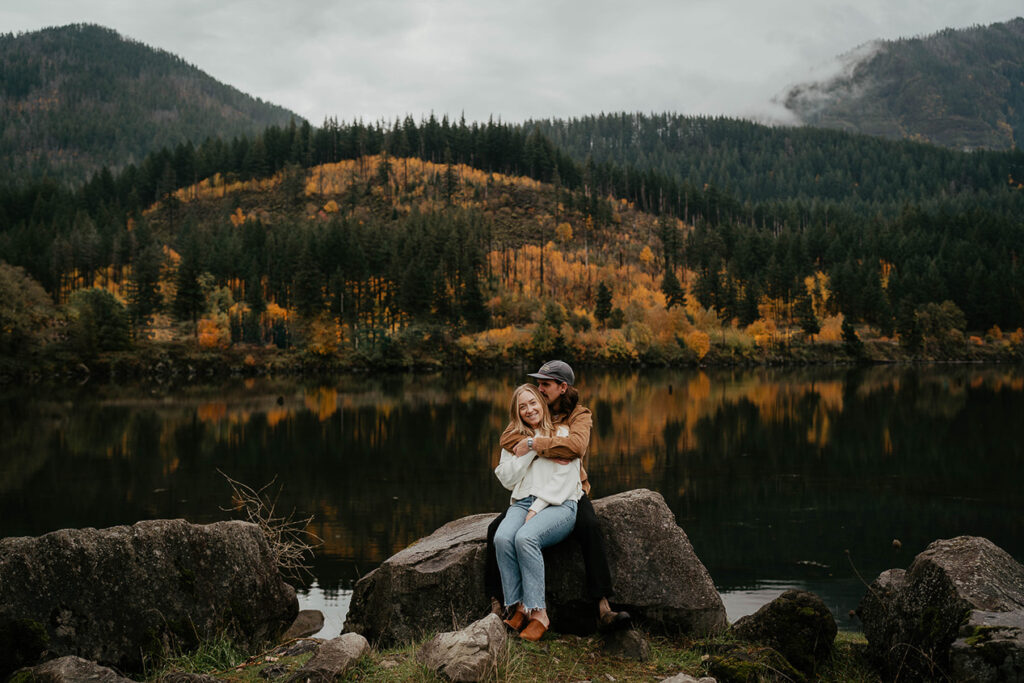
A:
(297, 647)
(308, 622)
(911, 619)
(687, 678)
(797, 624)
(117, 595)
(70, 669)
(333, 659)
(628, 644)
(438, 581)
(435, 584)
(467, 655)
(990, 648)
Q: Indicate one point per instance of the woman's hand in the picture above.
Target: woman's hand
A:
(521, 449)
(529, 515)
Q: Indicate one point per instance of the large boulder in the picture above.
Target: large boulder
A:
(117, 596)
(797, 624)
(966, 588)
(437, 582)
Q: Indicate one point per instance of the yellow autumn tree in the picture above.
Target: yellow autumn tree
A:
(563, 233)
(699, 342)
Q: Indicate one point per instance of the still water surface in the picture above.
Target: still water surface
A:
(781, 478)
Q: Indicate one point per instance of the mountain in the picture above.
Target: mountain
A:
(77, 98)
(957, 88)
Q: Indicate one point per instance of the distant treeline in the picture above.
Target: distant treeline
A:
(894, 225)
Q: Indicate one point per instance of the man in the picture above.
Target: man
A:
(555, 380)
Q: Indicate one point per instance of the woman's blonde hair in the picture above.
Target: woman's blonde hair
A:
(545, 426)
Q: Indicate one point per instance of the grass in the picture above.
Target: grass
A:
(555, 658)
(211, 656)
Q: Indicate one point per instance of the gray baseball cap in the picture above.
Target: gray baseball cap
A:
(557, 370)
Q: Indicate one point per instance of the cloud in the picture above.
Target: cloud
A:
(382, 59)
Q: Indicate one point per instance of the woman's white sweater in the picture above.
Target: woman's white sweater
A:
(528, 475)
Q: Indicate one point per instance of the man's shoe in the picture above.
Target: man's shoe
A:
(614, 621)
(533, 631)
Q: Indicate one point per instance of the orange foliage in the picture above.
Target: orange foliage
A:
(214, 332)
(324, 336)
(698, 342)
(237, 218)
(831, 328)
(275, 312)
(506, 343)
(763, 331)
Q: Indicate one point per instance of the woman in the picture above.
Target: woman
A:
(542, 513)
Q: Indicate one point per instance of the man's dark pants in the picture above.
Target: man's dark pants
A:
(587, 533)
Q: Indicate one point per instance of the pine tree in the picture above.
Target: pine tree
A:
(805, 316)
(670, 287)
(189, 300)
(603, 309)
(144, 297)
(854, 346)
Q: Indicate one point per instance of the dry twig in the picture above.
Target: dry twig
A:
(289, 538)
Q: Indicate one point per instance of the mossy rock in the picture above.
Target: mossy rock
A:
(751, 664)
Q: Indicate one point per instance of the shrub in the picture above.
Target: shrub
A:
(97, 321)
(26, 312)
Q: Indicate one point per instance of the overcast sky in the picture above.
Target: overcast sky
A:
(515, 59)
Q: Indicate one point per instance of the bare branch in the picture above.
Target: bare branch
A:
(289, 538)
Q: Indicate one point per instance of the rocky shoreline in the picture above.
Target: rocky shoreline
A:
(108, 604)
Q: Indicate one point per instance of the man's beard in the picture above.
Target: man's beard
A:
(557, 407)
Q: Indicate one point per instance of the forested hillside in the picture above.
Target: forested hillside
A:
(758, 163)
(77, 98)
(417, 242)
(957, 88)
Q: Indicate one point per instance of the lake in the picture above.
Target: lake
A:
(781, 477)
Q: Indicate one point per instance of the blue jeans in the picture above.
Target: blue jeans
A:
(518, 546)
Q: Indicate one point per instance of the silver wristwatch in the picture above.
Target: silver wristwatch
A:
(529, 443)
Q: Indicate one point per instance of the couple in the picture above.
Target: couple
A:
(541, 463)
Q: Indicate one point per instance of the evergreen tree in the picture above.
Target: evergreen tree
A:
(144, 298)
(472, 306)
(854, 346)
(603, 308)
(674, 295)
(97, 322)
(307, 284)
(806, 317)
(189, 300)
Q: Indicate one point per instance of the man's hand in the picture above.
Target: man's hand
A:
(521, 449)
(529, 515)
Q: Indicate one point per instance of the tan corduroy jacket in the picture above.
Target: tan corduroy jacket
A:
(576, 445)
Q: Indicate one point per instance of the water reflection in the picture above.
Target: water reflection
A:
(802, 477)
